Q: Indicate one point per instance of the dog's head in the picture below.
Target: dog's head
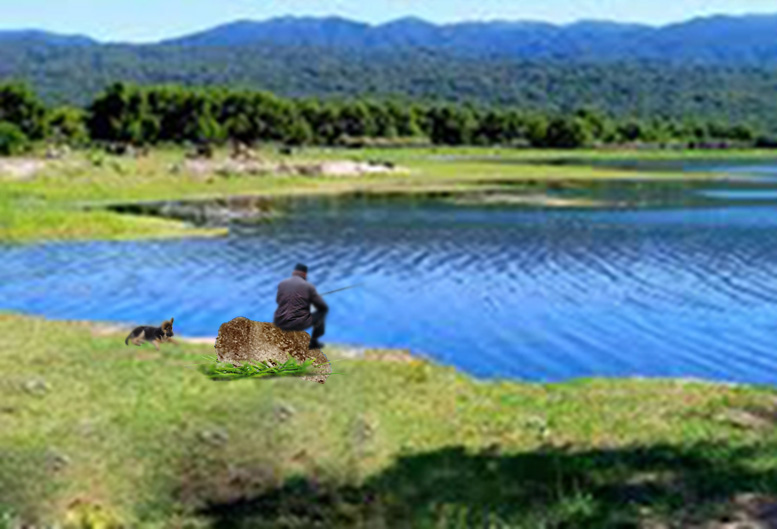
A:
(167, 328)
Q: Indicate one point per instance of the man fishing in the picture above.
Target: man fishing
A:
(295, 296)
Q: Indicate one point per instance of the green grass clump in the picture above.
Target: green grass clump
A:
(216, 370)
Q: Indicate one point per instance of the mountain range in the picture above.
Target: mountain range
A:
(730, 40)
(745, 40)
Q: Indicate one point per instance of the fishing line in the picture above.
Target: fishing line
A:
(341, 289)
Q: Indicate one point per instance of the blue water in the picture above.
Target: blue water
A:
(540, 295)
(742, 194)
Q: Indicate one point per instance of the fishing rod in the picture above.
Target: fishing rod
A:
(341, 289)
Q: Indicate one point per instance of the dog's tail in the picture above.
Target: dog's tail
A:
(126, 341)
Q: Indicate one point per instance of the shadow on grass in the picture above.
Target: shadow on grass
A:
(681, 486)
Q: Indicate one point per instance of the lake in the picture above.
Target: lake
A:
(676, 280)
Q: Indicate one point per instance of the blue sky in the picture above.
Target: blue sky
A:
(148, 20)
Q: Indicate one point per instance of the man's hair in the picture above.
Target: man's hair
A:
(301, 268)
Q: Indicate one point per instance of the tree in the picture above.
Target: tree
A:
(19, 105)
(599, 125)
(451, 125)
(298, 132)
(355, 120)
(272, 115)
(207, 131)
(742, 132)
(68, 125)
(491, 129)
(383, 120)
(567, 133)
(406, 119)
(323, 120)
(240, 128)
(630, 131)
(122, 114)
(537, 130)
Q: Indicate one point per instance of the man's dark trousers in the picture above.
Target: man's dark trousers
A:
(319, 319)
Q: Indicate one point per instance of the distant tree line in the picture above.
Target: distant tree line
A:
(144, 116)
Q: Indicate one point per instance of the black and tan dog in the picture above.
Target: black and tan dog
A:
(155, 335)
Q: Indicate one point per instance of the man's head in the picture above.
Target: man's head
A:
(301, 270)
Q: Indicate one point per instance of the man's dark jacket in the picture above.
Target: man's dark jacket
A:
(295, 295)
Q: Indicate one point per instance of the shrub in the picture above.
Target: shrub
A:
(12, 139)
(68, 125)
(766, 142)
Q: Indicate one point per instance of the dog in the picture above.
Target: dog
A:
(155, 335)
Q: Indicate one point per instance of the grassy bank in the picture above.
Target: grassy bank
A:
(48, 205)
(96, 433)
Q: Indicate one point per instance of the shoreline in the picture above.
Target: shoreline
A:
(407, 356)
(70, 199)
(470, 195)
(102, 330)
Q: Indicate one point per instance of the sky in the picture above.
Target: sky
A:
(151, 20)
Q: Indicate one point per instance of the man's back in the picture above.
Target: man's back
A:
(295, 295)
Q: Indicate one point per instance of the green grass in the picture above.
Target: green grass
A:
(50, 206)
(223, 371)
(101, 434)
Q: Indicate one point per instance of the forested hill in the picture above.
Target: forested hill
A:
(720, 67)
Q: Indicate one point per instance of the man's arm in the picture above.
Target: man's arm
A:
(318, 301)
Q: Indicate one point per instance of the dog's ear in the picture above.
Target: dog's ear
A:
(171, 320)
